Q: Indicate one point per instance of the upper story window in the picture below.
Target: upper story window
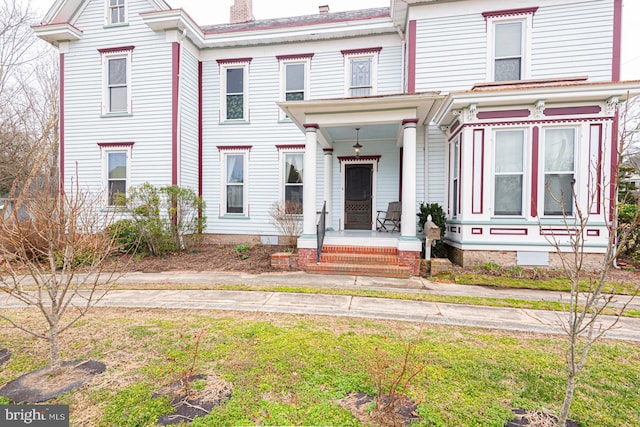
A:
(509, 44)
(509, 149)
(116, 80)
(234, 80)
(116, 11)
(294, 78)
(559, 171)
(361, 71)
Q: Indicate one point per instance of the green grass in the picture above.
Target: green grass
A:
(291, 370)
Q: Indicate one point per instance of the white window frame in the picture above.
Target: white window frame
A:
(106, 100)
(283, 80)
(108, 8)
(454, 167)
(283, 172)
(527, 26)
(245, 91)
(348, 58)
(245, 184)
(105, 151)
(525, 166)
(542, 173)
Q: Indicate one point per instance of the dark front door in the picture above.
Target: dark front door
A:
(357, 197)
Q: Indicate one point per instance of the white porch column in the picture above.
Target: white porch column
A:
(310, 177)
(409, 157)
(328, 184)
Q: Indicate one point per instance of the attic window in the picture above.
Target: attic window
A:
(116, 12)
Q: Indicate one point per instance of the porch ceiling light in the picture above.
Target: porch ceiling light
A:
(357, 145)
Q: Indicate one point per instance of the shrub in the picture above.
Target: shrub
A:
(287, 216)
(439, 219)
(127, 235)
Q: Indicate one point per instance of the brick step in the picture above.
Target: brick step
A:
(397, 271)
(373, 250)
(355, 258)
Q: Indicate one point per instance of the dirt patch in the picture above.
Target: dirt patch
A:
(5, 355)
(197, 403)
(362, 407)
(536, 419)
(41, 385)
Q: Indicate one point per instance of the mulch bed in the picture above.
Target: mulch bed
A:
(536, 419)
(360, 405)
(5, 355)
(40, 386)
(198, 403)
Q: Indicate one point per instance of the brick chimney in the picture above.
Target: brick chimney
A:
(324, 8)
(241, 11)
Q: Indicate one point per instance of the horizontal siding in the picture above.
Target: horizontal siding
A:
(189, 120)
(437, 167)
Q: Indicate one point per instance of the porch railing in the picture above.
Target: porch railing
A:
(321, 229)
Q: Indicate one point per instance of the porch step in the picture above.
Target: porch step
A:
(379, 261)
(397, 271)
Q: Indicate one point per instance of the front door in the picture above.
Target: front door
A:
(357, 197)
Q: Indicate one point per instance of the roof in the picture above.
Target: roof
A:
(293, 21)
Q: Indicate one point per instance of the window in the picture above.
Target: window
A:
(455, 176)
(116, 11)
(117, 177)
(293, 180)
(235, 194)
(294, 78)
(509, 44)
(559, 171)
(116, 92)
(508, 172)
(234, 80)
(361, 71)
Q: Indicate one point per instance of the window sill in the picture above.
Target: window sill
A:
(119, 24)
(234, 216)
(234, 122)
(110, 115)
(285, 120)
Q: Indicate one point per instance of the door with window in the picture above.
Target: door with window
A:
(358, 192)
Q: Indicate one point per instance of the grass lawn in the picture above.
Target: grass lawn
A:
(291, 370)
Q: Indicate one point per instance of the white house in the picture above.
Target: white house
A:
(482, 106)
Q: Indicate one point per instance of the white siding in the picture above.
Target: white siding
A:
(437, 167)
(149, 127)
(188, 120)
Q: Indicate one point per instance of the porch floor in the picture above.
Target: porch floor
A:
(362, 238)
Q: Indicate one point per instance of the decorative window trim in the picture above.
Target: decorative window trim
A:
(114, 147)
(353, 54)
(107, 54)
(107, 14)
(225, 151)
(526, 154)
(283, 61)
(525, 16)
(283, 151)
(542, 172)
(227, 64)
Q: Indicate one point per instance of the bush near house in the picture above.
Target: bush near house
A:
(439, 219)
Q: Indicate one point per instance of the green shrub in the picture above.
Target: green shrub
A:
(242, 250)
(127, 235)
(438, 217)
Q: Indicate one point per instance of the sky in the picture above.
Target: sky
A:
(217, 12)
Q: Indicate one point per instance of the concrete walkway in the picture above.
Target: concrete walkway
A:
(351, 306)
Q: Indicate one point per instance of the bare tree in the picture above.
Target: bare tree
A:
(54, 253)
(584, 323)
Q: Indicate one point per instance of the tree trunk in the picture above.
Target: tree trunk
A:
(54, 349)
(568, 397)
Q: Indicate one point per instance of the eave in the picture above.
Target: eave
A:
(56, 33)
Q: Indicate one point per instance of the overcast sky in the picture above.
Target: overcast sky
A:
(217, 12)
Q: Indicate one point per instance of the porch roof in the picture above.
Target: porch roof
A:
(378, 117)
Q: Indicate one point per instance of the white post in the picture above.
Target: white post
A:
(328, 184)
(409, 156)
(309, 183)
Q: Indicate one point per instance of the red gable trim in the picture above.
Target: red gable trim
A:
(233, 61)
(411, 78)
(290, 147)
(361, 51)
(115, 144)
(510, 12)
(116, 49)
(234, 147)
(299, 56)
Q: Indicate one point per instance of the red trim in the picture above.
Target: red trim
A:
(598, 166)
(473, 173)
(326, 150)
(538, 122)
(617, 40)
(453, 229)
(233, 61)
(200, 133)
(292, 147)
(342, 159)
(460, 175)
(116, 49)
(535, 154)
(569, 111)
(504, 114)
(476, 231)
(558, 232)
(593, 233)
(454, 126)
(508, 231)
(175, 86)
(61, 149)
(234, 147)
(409, 121)
(115, 144)
(311, 126)
(299, 56)
(613, 182)
(361, 51)
(411, 78)
(510, 12)
(453, 136)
